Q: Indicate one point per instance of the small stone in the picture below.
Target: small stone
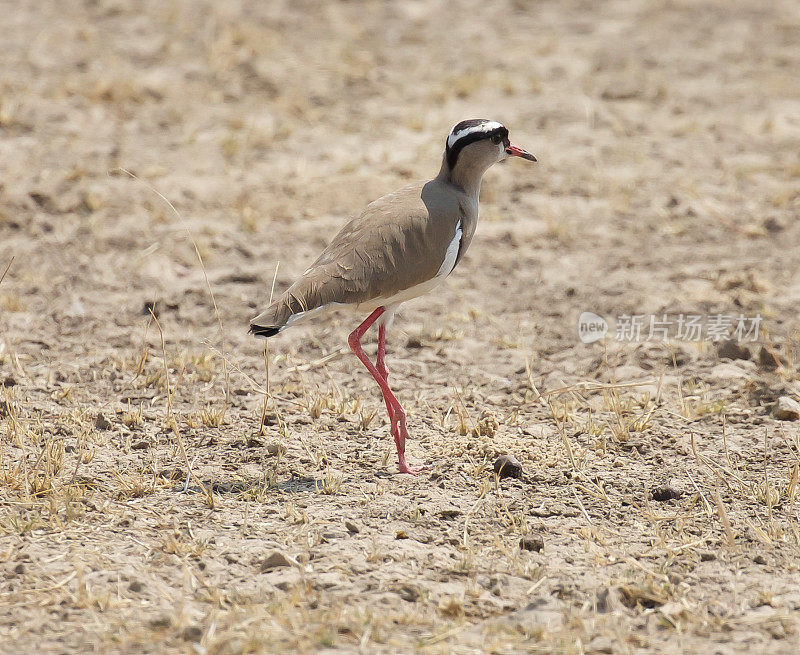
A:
(252, 442)
(760, 559)
(102, 423)
(401, 534)
(669, 491)
(141, 445)
(532, 542)
(414, 342)
(707, 556)
(136, 586)
(19, 569)
(352, 527)
(151, 307)
(277, 559)
(786, 409)
(773, 224)
(732, 349)
(767, 360)
(508, 466)
(192, 633)
(600, 645)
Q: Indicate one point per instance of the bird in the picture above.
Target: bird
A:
(400, 247)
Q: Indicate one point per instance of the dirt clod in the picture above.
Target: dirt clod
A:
(192, 633)
(508, 466)
(732, 349)
(768, 359)
(666, 492)
(532, 542)
(102, 423)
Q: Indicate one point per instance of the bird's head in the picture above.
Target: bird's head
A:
(478, 143)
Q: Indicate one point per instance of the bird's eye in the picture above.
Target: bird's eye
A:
(496, 139)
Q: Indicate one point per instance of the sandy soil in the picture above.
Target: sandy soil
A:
(659, 493)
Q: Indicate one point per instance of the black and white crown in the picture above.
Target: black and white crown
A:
(470, 131)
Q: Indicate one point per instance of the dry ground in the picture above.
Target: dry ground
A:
(668, 135)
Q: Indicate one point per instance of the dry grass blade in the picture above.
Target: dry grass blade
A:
(208, 491)
(3, 276)
(185, 226)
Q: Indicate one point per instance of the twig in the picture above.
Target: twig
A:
(709, 511)
(723, 516)
(3, 276)
(580, 504)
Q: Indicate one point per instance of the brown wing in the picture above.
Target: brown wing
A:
(397, 242)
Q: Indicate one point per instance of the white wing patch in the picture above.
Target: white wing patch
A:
(488, 126)
(451, 255)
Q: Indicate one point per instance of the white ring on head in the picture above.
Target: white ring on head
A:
(488, 126)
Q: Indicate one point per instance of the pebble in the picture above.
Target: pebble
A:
(192, 633)
(732, 349)
(532, 542)
(766, 359)
(773, 224)
(707, 556)
(508, 466)
(277, 559)
(136, 586)
(786, 409)
(669, 491)
(352, 527)
(141, 445)
(102, 423)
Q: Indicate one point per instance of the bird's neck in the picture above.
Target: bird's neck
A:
(465, 176)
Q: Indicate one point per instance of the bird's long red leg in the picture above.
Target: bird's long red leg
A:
(380, 364)
(397, 415)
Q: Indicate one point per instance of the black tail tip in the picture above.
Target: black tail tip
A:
(262, 331)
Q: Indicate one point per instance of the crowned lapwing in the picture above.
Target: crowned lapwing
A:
(400, 247)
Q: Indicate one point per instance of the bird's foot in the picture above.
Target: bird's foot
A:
(405, 468)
